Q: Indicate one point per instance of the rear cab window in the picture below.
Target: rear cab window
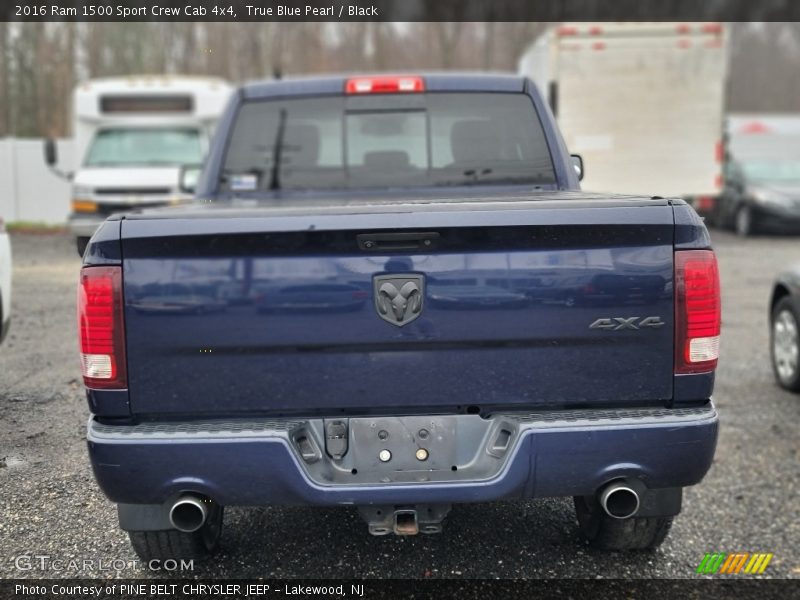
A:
(386, 141)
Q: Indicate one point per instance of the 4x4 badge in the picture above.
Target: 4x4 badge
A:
(636, 323)
(399, 297)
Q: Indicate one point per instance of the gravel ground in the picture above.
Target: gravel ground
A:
(50, 505)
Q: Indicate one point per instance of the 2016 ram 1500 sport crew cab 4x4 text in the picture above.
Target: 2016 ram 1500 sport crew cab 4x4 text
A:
(392, 294)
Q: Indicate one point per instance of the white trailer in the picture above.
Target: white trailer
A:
(132, 137)
(642, 103)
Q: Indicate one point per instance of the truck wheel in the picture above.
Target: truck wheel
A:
(81, 244)
(785, 345)
(174, 544)
(743, 221)
(607, 533)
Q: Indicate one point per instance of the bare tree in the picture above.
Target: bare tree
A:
(40, 63)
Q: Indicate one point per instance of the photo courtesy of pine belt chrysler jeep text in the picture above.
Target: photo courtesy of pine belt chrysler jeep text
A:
(391, 293)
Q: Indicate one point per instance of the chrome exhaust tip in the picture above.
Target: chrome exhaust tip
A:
(619, 500)
(189, 513)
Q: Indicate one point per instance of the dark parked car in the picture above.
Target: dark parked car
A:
(784, 319)
(760, 196)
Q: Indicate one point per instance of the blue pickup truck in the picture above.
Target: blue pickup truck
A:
(392, 294)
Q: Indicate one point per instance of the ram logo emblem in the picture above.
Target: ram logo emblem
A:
(399, 298)
(635, 323)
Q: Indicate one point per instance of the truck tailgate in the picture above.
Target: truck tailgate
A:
(275, 313)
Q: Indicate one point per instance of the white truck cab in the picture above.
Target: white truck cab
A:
(132, 136)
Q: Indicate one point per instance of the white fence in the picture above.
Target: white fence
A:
(29, 190)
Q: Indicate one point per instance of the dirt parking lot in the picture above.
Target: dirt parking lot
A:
(50, 505)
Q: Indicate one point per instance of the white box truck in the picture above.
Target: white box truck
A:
(132, 137)
(642, 103)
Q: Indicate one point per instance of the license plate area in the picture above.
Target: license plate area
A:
(408, 449)
(404, 445)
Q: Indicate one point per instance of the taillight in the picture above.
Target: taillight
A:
(704, 203)
(384, 85)
(101, 328)
(697, 311)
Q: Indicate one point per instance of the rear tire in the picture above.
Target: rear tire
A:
(785, 344)
(607, 533)
(744, 221)
(81, 243)
(174, 544)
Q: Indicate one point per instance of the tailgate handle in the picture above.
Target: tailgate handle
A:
(374, 242)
